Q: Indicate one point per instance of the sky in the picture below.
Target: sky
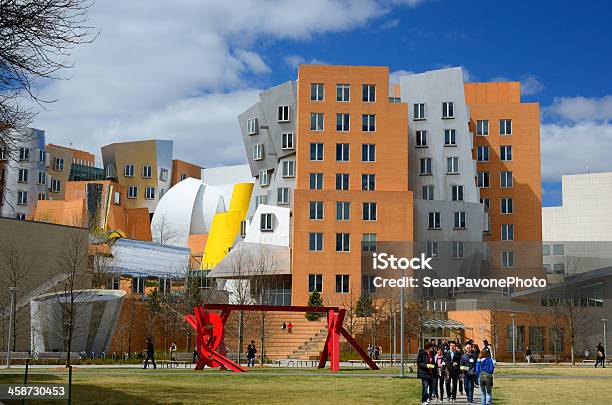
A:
(183, 70)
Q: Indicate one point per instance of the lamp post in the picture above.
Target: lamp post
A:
(513, 339)
(402, 329)
(605, 338)
(12, 290)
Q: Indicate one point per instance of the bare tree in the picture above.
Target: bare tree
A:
(493, 319)
(241, 262)
(37, 39)
(262, 271)
(163, 231)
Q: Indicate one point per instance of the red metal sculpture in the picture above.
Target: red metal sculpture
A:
(209, 327)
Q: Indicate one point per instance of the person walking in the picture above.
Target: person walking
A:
(601, 356)
(440, 374)
(377, 352)
(289, 327)
(426, 366)
(251, 350)
(468, 367)
(195, 354)
(528, 355)
(484, 374)
(370, 350)
(173, 352)
(150, 354)
(284, 326)
(452, 359)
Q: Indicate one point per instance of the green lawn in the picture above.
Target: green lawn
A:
(513, 385)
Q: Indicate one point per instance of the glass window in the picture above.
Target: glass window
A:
(369, 242)
(316, 91)
(287, 142)
(266, 222)
(342, 152)
(343, 210)
(342, 283)
(368, 122)
(316, 210)
(507, 232)
(316, 121)
(368, 152)
(505, 127)
(343, 242)
(428, 192)
(315, 242)
(457, 193)
(425, 165)
(482, 127)
(283, 113)
(459, 222)
(506, 205)
(452, 165)
(434, 220)
(505, 179)
(482, 180)
(448, 109)
(316, 181)
(342, 181)
(369, 93)
(505, 153)
(343, 122)
(316, 151)
(369, 211)
(421, 139)
(282, 196)
(368, 182)
(315, 283)
(419, 111)
(483, 153)
(343, 92)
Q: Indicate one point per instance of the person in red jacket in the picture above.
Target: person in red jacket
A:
(289, 327)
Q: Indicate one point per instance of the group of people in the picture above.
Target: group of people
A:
(374, 351)
(287, 327)
(445, 365)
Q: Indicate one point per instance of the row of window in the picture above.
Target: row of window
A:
(315, 283)
(483, 179)
(343, 210)
(146, 173)
(343, 242)
(287, 171)
(420, 113)
(149, 192)
(343, 92)
(368, 152)
(343, 122)
(23, 176)
(505, 153)
(505, 127)
(24, 154)
(457, 252)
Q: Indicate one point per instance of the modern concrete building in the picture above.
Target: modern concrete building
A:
(143, 167)
(23, 175)
(68, 164)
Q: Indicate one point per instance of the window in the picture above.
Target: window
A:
(507, 259)
(343, 210)
(482, 127)
(342, 181)
(260, 199)
(483, 154)
(316, 91)
(315, 242)
(287, 141)
(282, 196)
(457, 249)
(42, 196)
(150, 193)
(431, 248)
(486, 202)
(252, 127)
(316, 121)
(507, 232)
(146, 172)
(368, 93)
(315, 283)
(343, 242)
(520, 338)
(536, 338)
(482, 180)
(369, 211)
(343, 122)
(452, 165)
(316, 210)
(283, 113)
(24, 154)
(428, 192)
(343, 92)
(182, 177)
(506, 205)
(56, 185)
(23, 175)
(419, 111)
(258, 151)
(42, 156)
(342, 152)
(58, 165)
(448, 109)
(459, 222)
(457, 193)
(263, 178)
(117, 198)
(163, 175)
(505, 153)
(368, 152)
(288, 168)
(559, 268)
(421, 139)
(434, 220)
(425, 166)
(505, 179)
(133, 192)
(368, 242)
(243, 228)
(22, 197)
(368, 182)
(316, 181)
(450, 138)
(42, 178)
(367, 283)
(138, 285)
(368, 122)
(316, 151)
(558, 249)
(546, 250)
(342, 283)
(505, 127)
(128, 170)
(266, 222)
(3, 153)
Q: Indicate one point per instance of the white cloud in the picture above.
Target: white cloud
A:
(581, 108)
(387, 25)
(394, 77)
(467, 76)
(293, 61)
(151, 61)
(568, 149)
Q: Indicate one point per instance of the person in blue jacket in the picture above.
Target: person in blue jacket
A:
(484, 370)
(468, 367)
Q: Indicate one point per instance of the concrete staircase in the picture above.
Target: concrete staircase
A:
(306, 340)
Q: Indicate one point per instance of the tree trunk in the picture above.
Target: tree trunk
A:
(240, 334)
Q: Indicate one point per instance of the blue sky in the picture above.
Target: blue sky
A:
(184, 70)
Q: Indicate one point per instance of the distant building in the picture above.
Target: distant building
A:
(182, 170)
(23, 175)
(68, 164)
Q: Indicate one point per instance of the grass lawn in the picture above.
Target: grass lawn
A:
(514, 385)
